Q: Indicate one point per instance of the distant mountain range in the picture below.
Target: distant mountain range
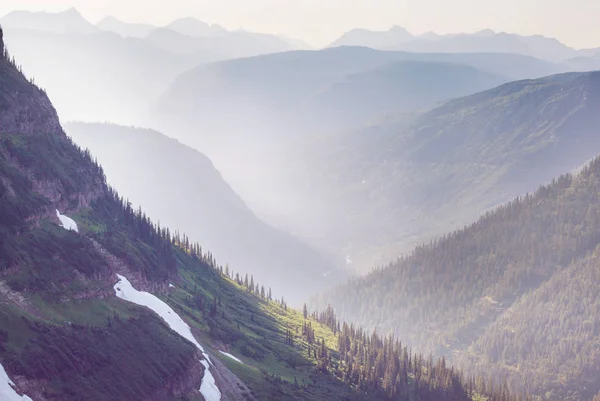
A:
(125, 29)
(99, 76)
(253, 116)
(486, 41)
(115, 71)
(69, 21)
(230, 45)
(181, 188)
(408, 179)
(72, 22)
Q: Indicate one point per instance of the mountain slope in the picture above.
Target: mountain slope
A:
(279, 102)
(181, 188)
(407, 179)
(50, 275)
(72, 325)
(396, 88)
(496, 295)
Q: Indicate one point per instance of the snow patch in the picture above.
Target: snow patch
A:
(125, 291)
(231, 356)
(67, 222)
(7, 392)
(171, 285)
(208, 388)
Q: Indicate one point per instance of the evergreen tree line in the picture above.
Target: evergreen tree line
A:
(380, 366)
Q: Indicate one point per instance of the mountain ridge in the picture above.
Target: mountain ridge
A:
(68, 21)
(487, 40)
(182, 189)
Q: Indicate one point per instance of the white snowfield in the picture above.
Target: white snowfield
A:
(67, 222)
(7, 393)
(231, 356)
(125, 291)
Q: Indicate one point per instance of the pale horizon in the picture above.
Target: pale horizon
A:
(320, 23)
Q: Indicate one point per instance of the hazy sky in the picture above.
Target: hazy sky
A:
(575, 22)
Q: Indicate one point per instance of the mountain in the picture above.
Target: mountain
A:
(591, 63)
(397, 87)
(102, 76)
(98, 302)
(189, 35)
(182, 189)
(108, 73)
(125, 29)
(486, 41)
(230, 44)
(69, 21)
(288, 106)
(374, 39)
(513, 294)
(408, 179)
(175, 42)
(537, 46)
(195, 28)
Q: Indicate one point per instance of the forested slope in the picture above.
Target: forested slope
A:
(498, 292)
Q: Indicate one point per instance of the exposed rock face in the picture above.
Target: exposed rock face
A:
(25, 108)
(182, 386)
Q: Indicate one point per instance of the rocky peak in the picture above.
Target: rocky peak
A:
(1, 42)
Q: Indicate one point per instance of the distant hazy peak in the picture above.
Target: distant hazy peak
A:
(394, 36)
(68, 21)
(125, 29)
(189, 21)
(193, 27)
(485, 32)
(71, 13)
(398, 29)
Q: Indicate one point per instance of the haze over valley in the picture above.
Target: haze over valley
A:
(258, 201)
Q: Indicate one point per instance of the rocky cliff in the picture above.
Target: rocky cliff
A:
(25, 108)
